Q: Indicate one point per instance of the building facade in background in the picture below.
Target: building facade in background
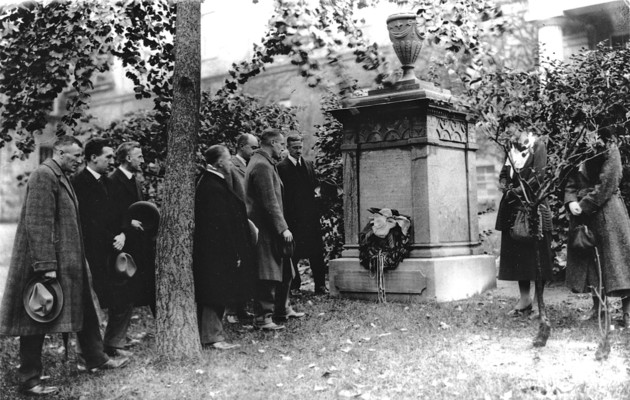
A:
(562, 26)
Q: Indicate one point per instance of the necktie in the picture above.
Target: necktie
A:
(101, 183)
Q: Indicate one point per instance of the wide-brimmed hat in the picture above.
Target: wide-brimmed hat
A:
(147, 213)
(284, 249)
(43, 298)
(125, 266)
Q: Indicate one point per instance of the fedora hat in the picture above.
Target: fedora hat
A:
(43, 298)
(125, 266)
(284, 249)
(147, 213)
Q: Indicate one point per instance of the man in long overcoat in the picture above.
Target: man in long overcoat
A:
(246, 144)
(140, 289)
(48, 243)
(99, 226)
(223, 252)
(301, 212)
(263, 189)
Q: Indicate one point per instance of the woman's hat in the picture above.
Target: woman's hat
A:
(147, 213)
(43, 298)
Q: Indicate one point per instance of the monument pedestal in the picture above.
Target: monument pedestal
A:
(406, 148)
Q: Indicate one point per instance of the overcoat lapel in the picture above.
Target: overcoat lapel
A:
(64, 181)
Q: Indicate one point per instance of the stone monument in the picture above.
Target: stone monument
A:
(407, 148)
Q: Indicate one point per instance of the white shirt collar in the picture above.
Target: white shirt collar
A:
(293, 160)
(128, 174)
(242, 159)
(95, 174)
(214, 171)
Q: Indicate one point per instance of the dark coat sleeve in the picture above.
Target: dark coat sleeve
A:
(608, 184)
(263, 184)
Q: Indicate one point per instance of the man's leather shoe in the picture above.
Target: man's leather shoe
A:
(40, 390)
(321, 290)
(243, 314)
(291, 313)
(268, 325)
(224, 345)
(114, 352)
(296, 293)
(132, 342)
(111, 364)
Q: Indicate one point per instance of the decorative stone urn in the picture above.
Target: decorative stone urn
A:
(405, 147)
(406, 40)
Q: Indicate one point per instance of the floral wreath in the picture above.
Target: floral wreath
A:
(386, 235)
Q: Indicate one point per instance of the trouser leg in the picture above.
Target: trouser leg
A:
(283, 290)
(119, 319)
(30, 368)
(264, 300)
(90, 338)
(297, 280)
(318, 268)
(210, 325)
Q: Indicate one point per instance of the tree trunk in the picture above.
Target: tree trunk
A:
(177, 331)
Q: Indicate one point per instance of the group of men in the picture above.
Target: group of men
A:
(70, 233)
(255, 218)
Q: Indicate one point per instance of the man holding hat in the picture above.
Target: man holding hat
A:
(263, 189)
(99, 227)
(49, 288)
(138, 242)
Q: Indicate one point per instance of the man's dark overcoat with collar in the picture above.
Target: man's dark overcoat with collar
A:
(48, 238)
(264, 191)
(239, 166)
(99, 228)
(223, 255)
(301, 209)
(139, 290)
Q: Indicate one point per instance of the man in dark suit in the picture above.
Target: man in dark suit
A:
(140, 289)
(246, 144)
(263, 189)
(48, 244)
(301, 211)
(99, 227)
(223, 252)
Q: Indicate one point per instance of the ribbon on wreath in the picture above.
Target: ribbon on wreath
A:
(383, 244)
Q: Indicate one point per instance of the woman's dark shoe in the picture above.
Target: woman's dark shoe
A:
(517, 312)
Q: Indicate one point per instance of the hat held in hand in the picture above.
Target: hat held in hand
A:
(147, 213)
(43, 299)
(125, 266)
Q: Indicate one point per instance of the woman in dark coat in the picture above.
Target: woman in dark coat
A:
(518, 259)
(592, 197)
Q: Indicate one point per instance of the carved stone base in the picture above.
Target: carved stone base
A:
(416, 279)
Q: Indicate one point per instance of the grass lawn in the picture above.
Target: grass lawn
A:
(355, 349)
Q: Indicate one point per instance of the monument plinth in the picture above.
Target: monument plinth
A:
(407, 148)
